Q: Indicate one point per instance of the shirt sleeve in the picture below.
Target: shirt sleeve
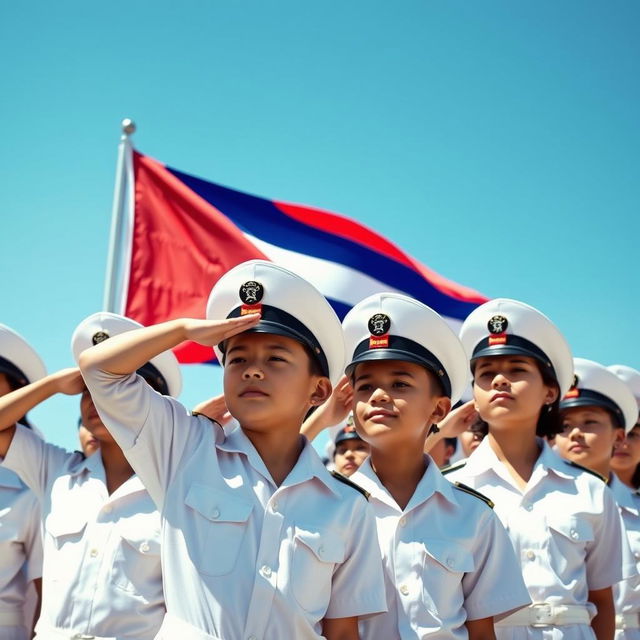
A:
(35, 461)
(33, 538)
(605, 561)
(357, 588)
(495, 586)
(155, 432)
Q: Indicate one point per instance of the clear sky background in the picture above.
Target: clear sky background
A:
(496, 141)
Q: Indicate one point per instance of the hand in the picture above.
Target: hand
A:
(69, 381)
(215, 409)
(212, 332)
(337, 407)
(458, 420)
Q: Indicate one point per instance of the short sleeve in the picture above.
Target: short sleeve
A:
(357, 588)
(495, 587)
(155, 432)
(33, 538)
(35, 461)
(606, 563)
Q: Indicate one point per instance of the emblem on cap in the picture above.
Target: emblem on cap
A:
(251, 292)
(379, 324)
(573, 392)
(99, 336)
(497, 324)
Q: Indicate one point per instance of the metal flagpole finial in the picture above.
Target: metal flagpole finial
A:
(128, 126)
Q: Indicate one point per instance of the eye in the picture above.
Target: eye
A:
(277, 359)
(365, 386)
(236, 360)
(399, 384)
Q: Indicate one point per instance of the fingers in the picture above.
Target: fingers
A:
(233, 326)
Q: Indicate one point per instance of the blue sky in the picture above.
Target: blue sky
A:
(495, 141)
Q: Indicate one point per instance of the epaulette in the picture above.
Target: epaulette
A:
(353, 485)
(473, 492)
(591, 471)
(453, 467)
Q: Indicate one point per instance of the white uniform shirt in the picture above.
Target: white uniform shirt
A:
(565, 529)
(447, 559)
(101, 572)
(627, 593)
(20, 552)
(242, 558)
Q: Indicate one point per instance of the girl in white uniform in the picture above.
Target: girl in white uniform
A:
(101, 575)
(20, 540)
(562, 520)
(626, 465)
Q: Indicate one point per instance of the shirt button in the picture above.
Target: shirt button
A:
(93, 553)
(265, 571)
(403, 521)
(528, 506)
(404, 589)
(108, 508)
(637, 554)
(530, 554)
(144, 547)
(215, 514)
(320, 550)
(274, 505)
(574, 533)
(450, 563)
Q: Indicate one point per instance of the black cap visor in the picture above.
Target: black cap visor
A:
(341, 437)
(590, 398)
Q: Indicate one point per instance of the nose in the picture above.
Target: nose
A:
(379, 395)
(575, 432)
(499, 381)
(252, 372)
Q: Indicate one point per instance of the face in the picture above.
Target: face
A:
(91, 420)
(626, 453)
(5, 386)
(588, 436)
(268, 383)
(395, 403)
(349, 455)
(88, 443)
(509, 391)
(469, 441)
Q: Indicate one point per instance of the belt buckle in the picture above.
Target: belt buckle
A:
(82, 636)
(543, 615)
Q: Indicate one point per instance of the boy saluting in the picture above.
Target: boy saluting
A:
(259, 540)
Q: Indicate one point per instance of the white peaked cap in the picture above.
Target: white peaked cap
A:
(392, 326)
(630, 376)
(596, 386)
(103, 325)
(289, 306)
(18, 358)
(508, 327)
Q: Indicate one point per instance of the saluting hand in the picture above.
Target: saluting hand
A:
(68, 381)
(215, 409)
(212, 332)
(458, 420)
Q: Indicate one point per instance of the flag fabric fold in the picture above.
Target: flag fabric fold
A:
(185, 232)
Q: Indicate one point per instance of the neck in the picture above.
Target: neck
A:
(400, 469)
(626, 477)
(603, 468)
(116, 466)
(278, 448)
(517, 449)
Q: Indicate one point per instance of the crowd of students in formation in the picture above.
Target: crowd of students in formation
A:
(221, 522)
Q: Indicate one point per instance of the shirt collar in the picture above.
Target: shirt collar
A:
(624, 495)
(9, 479)
(94, 467)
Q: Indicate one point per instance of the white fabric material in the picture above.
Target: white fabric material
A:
(547, 615)
(447, 558)
(564, 527)
(626, 594)
(101, 573)
(241, 557)
(20, 549)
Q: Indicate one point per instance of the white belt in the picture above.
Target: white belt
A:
(628, 621)
(546, 615)
(51, 633)
(173, 628)
(11, 619)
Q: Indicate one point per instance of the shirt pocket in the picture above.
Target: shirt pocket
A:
(217, 529)
(66, 531)
(316, 552)
(136, 567)
(444, 564)
(568, 542)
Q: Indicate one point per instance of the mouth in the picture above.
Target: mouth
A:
(620, 454)
(253, 392)
(501, 396)
(578, 448)
(379, 414)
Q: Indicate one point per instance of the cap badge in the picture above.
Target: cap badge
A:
(349, 429)
(574, 392)
(251, 292)
(497, 324)
(379, 324)
(99, 336)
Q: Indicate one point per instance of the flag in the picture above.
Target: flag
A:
(184, 233)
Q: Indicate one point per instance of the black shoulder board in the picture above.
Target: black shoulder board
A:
(473, 492)
(453, 467)
(353, 485)
(571, 463)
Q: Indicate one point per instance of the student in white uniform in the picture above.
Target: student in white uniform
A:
(102, 575)
(626, 463)
(449, 564)
(562, 520)
(20, 540)
(350, 450)
(265, 543)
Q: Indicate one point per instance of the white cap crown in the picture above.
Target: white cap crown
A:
(18, 358)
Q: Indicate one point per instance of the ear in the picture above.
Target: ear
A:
(552, 394)
(618, 438)
(441, 410)
(321, 392)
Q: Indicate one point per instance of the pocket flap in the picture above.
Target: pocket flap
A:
(217, 505)
(575, 529)
(452, 556)
(65, 524)
(140, 535)
(326, 545)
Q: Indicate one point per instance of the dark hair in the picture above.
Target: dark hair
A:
(549, 422)
(452, 442)
(635, 478)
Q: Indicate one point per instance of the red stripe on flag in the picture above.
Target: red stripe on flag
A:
(356, 232)
(181, 246)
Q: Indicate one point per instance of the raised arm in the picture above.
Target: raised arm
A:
(456, 422)
(332, 412)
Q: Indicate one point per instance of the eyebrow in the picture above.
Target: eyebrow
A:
(366, 376)
(272, 347)
(510, 360)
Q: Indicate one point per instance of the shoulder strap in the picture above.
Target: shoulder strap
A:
(353, 485)
(453, 467)
(571, 463)
(473, 492)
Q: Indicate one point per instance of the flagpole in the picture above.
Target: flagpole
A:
(118, 215)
